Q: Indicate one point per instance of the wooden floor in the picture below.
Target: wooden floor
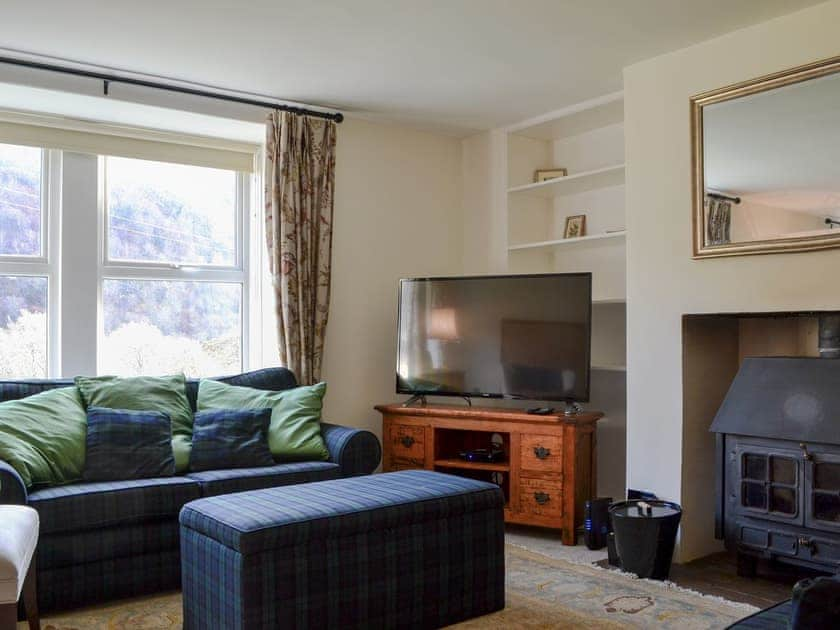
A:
(716, 575)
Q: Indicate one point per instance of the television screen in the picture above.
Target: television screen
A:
(496, 336)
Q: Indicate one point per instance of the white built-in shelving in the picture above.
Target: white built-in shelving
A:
(603, 177)
(568, 241)
(587, 139)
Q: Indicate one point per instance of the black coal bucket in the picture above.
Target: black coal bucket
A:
(645, 534)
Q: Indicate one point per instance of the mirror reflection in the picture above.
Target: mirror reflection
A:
(771, 164)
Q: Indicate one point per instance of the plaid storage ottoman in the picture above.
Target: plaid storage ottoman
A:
(409, 549)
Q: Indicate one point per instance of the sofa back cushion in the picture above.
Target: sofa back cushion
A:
(167, 394)
(273, 379)
(123, 444)
(43, 436)
(295, 430)
(230, 438)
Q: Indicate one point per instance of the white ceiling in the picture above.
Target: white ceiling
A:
(453, 65)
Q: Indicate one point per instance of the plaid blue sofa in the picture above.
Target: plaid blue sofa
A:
(408, 549)
(104, 540)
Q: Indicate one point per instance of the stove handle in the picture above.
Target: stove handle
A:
(808, 457)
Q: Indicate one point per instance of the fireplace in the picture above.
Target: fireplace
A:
(778, 463)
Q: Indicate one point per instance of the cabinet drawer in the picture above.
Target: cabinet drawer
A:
(407, 444)
(541, 497)
(542, 453)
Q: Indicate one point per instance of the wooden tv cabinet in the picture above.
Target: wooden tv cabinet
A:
(549, 467)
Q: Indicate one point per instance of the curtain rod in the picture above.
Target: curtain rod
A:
(107, 78)
(717, 195)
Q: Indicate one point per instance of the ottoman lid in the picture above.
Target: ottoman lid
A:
(289, 515)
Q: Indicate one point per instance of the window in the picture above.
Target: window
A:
(161, 327)
(174, 278)
(170, 213)
(23, 333)
(126, 255)
(20, 201)
(24, 269)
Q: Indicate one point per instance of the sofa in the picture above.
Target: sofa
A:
(814, 605)
(105, 540)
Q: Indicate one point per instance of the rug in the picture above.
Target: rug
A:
(542, 593)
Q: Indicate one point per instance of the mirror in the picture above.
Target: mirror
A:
(766, 162)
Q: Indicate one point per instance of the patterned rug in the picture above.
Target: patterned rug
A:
(542, 592)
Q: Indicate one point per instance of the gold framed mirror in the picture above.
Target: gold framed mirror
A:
(766, 164)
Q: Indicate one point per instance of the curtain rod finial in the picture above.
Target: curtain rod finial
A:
(339, 118)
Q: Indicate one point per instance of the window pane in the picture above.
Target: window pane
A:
(20, 201)
(170, 213)
(754, 495)
(23, 327)
(155, 327)
(755, 466)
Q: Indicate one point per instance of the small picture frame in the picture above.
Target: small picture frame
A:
(575, 226)
(545, 175)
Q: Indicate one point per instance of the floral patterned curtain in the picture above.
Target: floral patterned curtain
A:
(299, 184)
(718, 221)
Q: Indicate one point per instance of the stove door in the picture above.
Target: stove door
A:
(822, 483)
(767, 483)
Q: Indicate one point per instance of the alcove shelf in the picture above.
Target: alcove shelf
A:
(586, 139)
(575, 183)
(568, 241)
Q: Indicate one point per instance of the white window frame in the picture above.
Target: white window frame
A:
(46, 264)
(73, 258)
(239, 273)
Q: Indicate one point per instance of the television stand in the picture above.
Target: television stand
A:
(549, 467)
(416, 398)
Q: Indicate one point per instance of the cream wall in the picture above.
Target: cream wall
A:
(663, 282)
(397, 214)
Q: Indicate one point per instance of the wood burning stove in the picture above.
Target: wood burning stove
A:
(778, 468)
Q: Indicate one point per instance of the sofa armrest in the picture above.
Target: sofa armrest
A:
(357, 452)
(12, 488)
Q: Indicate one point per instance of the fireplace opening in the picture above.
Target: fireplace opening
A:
(767, 482)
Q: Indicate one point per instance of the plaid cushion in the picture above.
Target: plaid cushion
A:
(230, 438)
(276, 517)
(92, 505)
(423, 566)
(357, 452)
(94, 545)
(215, 482)
(774, 618)
(123, 444)
(80, 584)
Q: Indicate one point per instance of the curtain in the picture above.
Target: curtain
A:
(299, 184)
(718, 221)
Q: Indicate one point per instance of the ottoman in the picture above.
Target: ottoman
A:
(409, 549)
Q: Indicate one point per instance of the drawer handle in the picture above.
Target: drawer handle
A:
(542, 452)
(407, 441)
(542, 497)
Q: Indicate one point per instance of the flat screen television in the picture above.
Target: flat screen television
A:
(523, 336)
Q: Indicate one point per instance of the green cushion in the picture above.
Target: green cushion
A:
(43, 436)
(295, 430)
(167, 394)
